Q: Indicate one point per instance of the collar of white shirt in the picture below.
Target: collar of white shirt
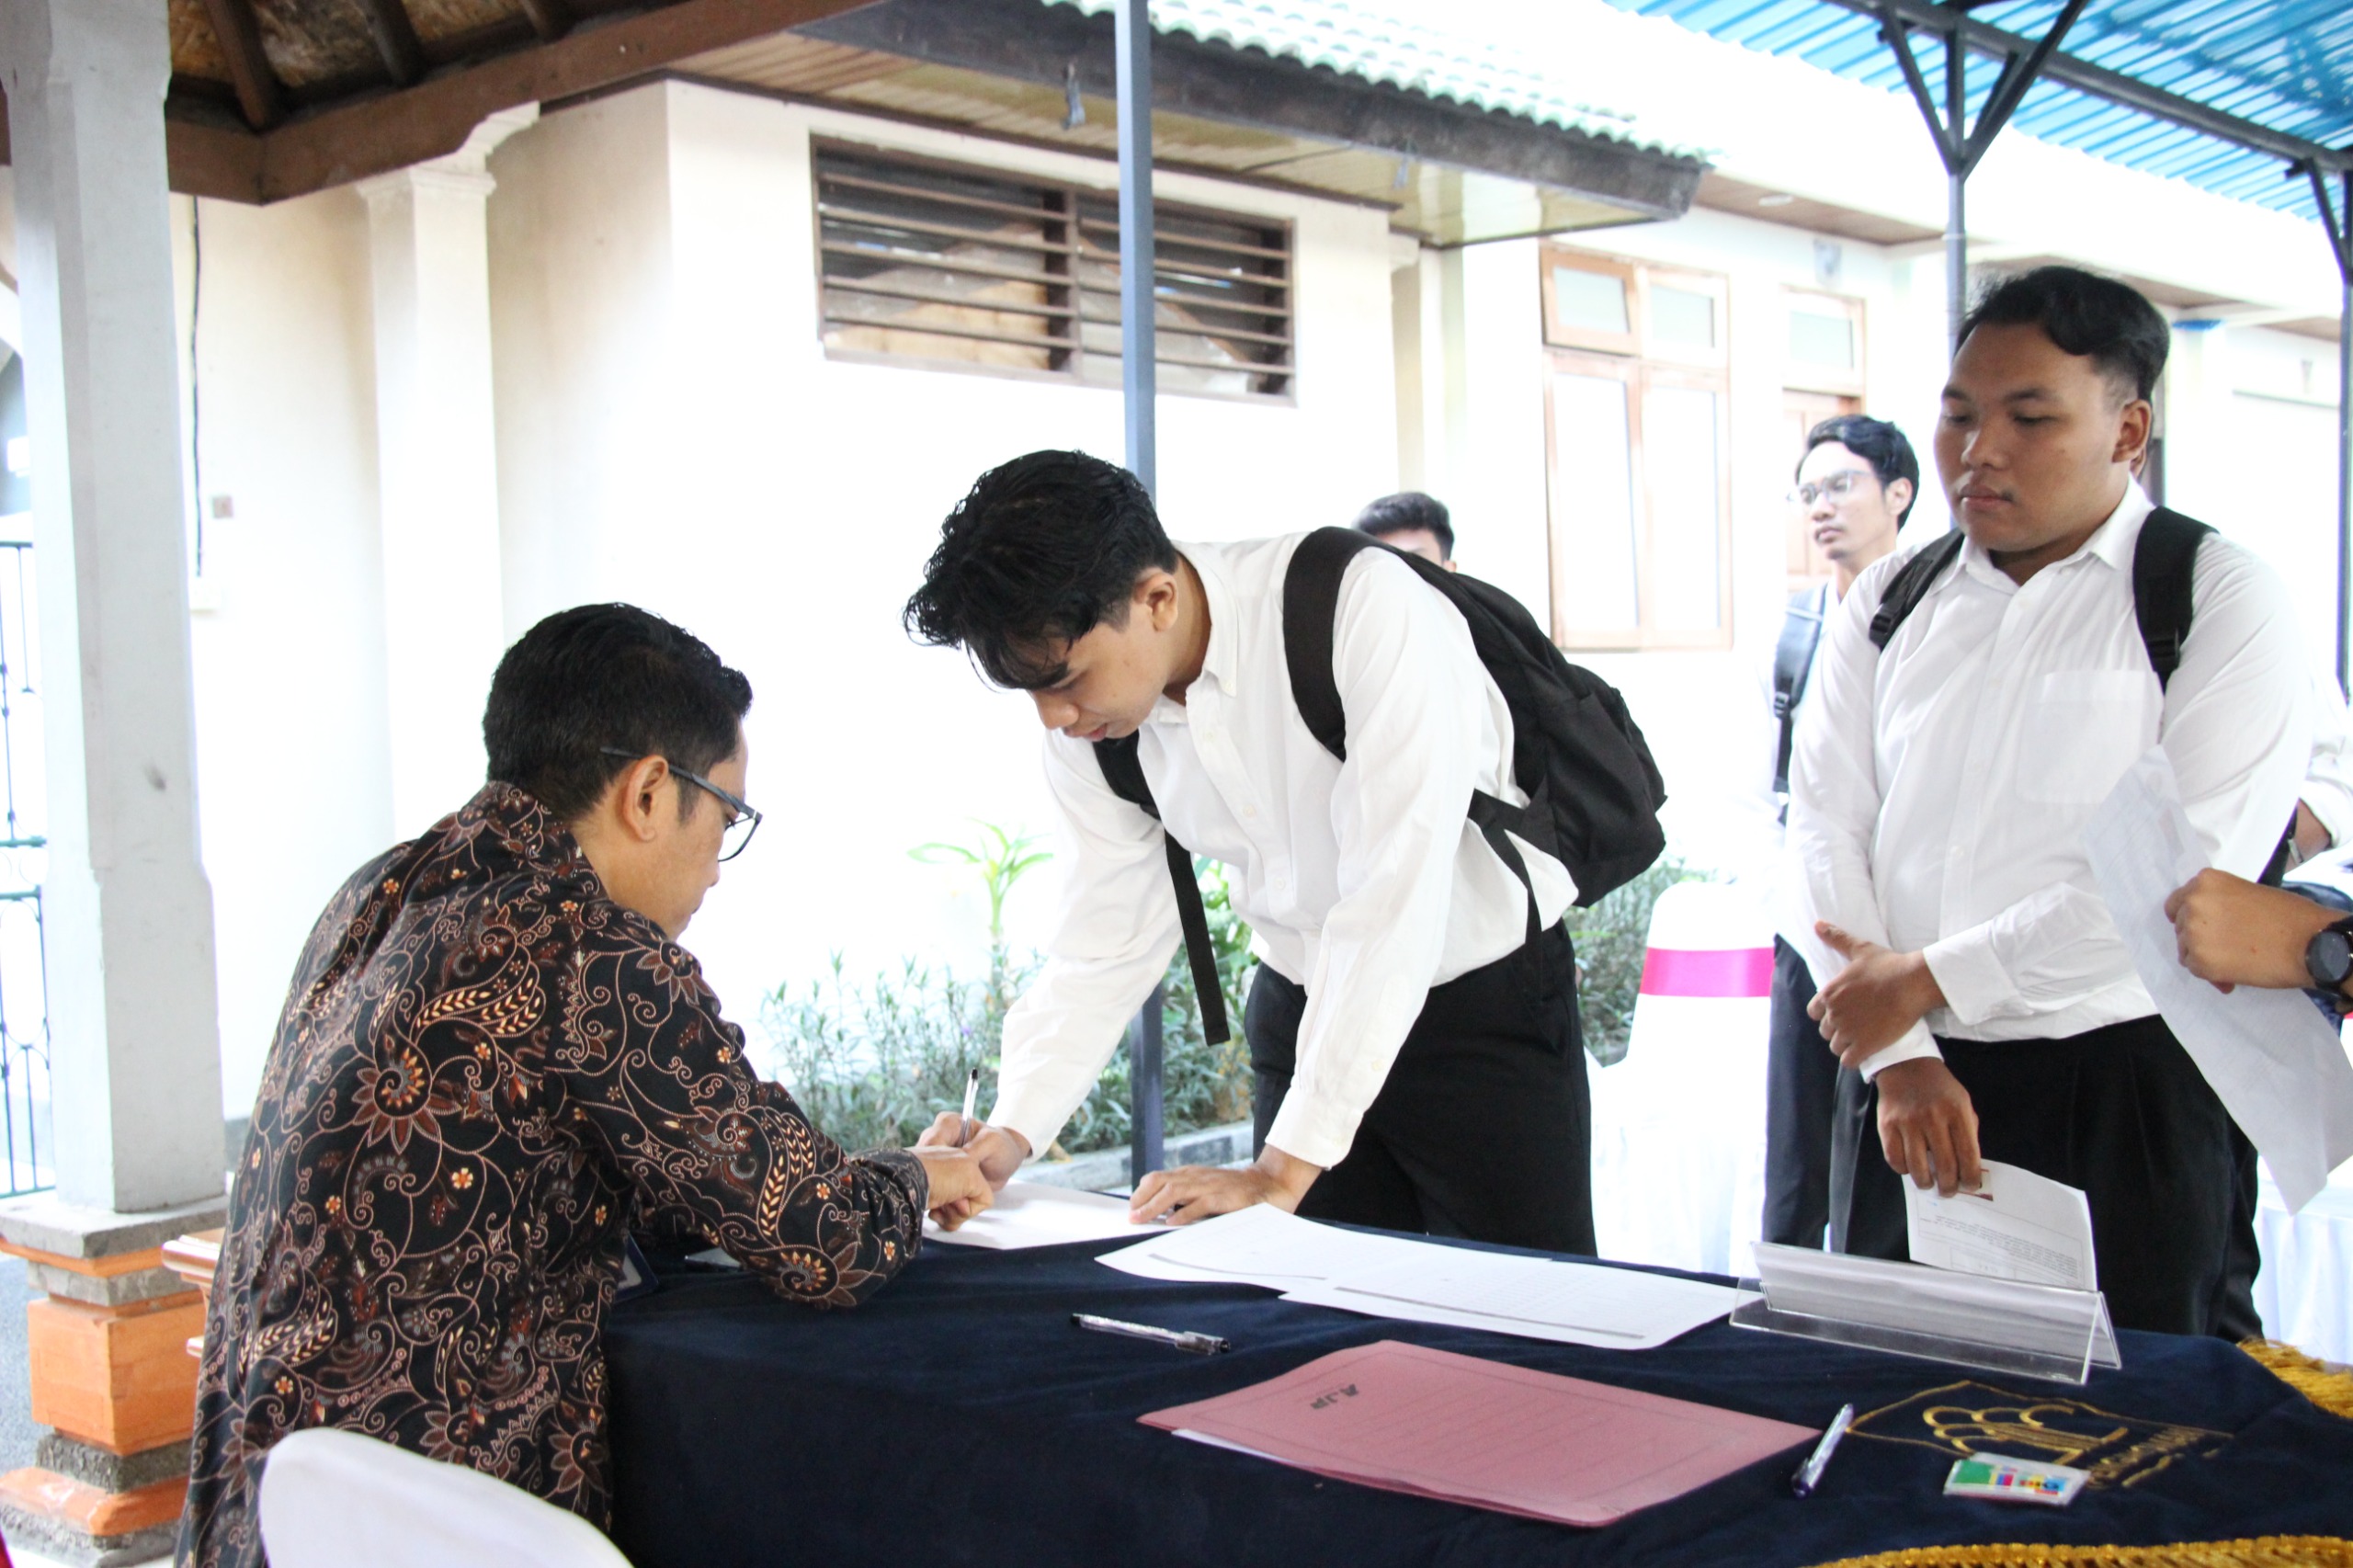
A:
(2113, 542)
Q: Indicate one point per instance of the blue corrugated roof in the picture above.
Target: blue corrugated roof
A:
(2284, 65)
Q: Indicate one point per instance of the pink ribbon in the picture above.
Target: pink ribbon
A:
(1708, 972)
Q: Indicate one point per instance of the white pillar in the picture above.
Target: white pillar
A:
(436, 469)
(136, 1075)
(2202, 462)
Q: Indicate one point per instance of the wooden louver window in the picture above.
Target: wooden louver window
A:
(964, 268)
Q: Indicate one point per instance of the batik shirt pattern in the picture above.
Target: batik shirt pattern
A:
(486, 1072)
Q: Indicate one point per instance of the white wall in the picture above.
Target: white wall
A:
(292, 784)
(672, 432)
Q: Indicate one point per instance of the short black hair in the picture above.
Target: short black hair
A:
(1875, 441)
(599, 675)
(1040, 551)
(2108, 322)
(1405, 512)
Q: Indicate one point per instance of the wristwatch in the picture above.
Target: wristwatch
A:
(2328, 957)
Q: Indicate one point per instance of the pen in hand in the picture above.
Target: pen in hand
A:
(972, 1097)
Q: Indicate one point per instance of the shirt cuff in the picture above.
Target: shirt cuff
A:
(1313, 1129)
(1023, 1115)
(1914, 1044)
(1971, 978)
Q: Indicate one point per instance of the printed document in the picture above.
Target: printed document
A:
(1539, 1297)
(2277, 1065)
(1433, 1423)
(1032, 1214)
(2016, 1226)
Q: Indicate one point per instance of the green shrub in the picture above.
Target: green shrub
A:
(874, 1063)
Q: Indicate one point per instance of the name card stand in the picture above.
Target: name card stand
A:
(1937, 1315)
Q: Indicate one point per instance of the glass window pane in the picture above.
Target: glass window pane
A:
(1825, 340)
(1592, 300)
(1593, 502)
(1683, 316)
(1679, 438)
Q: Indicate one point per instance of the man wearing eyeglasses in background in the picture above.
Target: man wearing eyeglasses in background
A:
(1856, 484)
(493, 1060)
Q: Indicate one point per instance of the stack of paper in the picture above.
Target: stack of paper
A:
(1031, 1214)
(1415, 1281)
(1409, 1419)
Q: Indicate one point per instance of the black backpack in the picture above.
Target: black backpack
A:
(2162, 558)
(1593, 791)
(1792, 665)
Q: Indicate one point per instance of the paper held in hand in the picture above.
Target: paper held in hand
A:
(2017, 1225)
(2278, 1068)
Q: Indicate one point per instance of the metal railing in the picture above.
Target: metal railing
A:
(24, 990)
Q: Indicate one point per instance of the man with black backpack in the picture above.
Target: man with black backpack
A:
(1855, 480)
(1976, 699)
(1407, 785)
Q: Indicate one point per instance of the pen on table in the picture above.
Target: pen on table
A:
(1808, 1474)
(972, 1097)
(1198, 1344)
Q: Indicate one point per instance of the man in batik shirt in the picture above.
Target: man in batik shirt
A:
(495, 1059)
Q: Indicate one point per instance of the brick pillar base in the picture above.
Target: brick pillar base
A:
(112, 1375)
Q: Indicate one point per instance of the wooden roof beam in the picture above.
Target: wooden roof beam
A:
(394, 36)
(260, 96)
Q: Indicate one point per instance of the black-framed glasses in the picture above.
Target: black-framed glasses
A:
(738, 832)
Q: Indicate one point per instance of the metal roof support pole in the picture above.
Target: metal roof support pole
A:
(1958, 144)
(2338, 219)
(1138, 355)
(1137, 346)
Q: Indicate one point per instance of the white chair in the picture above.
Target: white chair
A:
(1678, 1125)
(335, 1499)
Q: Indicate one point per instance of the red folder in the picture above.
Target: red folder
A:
(1437, 1425)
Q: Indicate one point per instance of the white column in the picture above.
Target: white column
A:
(436, 469)
(136, 1077)
(2202, 463)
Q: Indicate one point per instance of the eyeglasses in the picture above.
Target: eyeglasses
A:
(1837, 486)
(740, 827)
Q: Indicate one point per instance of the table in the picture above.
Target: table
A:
(958, 1417)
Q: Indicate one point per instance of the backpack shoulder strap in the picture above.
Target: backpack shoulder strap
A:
(1123, 771)
(1793, 662)
(1911, 585)
(2163, 561)
(1311, 606)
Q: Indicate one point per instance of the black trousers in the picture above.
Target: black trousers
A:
(1484, 1127)
(2120, 1111)
(1801, 1102)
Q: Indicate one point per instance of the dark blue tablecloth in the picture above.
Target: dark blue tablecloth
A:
(958, 1417)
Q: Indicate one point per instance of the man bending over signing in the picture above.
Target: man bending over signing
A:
(494, 1059)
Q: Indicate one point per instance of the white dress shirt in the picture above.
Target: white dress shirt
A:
(1940, 788)
(1365, 882)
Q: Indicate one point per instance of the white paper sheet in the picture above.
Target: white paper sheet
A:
(2280, 1069)
(2016, 1226)
(1260, 1245)
(1539, 1298)
(1032, 1214)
